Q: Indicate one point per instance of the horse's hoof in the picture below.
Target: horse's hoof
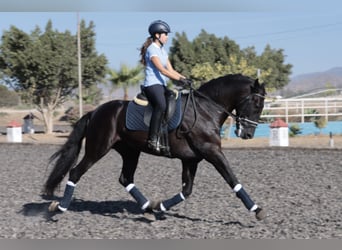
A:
(53, 206)
(150, 216)
(260, 214)
(155, 205)
(160, 215)
(154, 216)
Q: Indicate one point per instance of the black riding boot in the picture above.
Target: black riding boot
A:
(153, 143)
(153, 136)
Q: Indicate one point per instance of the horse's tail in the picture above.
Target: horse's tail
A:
(67, 155)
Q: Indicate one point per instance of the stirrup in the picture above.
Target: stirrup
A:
(153, 145)
(165, 150)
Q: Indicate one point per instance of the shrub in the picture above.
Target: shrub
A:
(320, 123)
(294, 130)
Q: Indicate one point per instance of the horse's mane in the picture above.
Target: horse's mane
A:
(230, 78)
(237, 77)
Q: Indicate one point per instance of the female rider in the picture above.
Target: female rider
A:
(157, 69)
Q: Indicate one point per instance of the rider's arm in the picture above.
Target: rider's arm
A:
(168, 71)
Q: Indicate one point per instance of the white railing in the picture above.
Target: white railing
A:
(301, 108)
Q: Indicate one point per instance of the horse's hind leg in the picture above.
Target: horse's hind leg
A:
(74, 177)
(188, 176)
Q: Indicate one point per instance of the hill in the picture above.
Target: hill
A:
(305, 83)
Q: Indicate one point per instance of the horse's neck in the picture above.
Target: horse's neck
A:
(214, 106)
(218, 97)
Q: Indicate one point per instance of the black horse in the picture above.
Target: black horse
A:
(196, 138)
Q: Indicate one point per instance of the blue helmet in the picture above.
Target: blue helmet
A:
(159, 27)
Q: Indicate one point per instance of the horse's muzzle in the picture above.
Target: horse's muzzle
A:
(245, 133)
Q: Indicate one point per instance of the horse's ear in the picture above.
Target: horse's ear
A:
(255, 86)
(256, 83)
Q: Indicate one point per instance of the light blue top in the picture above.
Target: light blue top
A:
(152, 74)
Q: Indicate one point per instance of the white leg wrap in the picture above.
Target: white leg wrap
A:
(139, 197)
(147, 203)
(237, 188)
(253, 208)
(62, 208)
(129, 187)
(70, 183)
(162, 208)
(242, 194)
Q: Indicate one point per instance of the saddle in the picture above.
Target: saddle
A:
(139, 113)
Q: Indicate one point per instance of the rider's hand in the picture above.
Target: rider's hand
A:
(185, 82)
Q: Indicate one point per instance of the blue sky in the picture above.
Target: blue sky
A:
(311, 38)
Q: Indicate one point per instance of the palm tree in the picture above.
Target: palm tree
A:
(126, 77)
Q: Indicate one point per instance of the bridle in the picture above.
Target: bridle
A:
(241, 122)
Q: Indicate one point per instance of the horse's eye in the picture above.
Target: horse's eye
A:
(256, 101)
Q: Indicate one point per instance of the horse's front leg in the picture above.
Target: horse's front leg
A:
(130, 159)
(188, 176)
(215, 156)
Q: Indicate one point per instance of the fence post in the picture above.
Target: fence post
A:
(326, 109)
(302, 110)
(331, 140)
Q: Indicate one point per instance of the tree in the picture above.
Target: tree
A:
(206, 71)
(92, 95)
(207, 57)
(182, 54)
(126, 77)
(273, 60)
(320, 123)
(313, 112)
(42, 66)
(8, 98)
(205, 48)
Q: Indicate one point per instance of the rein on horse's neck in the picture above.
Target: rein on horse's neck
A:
(237, 118)
(224, 110)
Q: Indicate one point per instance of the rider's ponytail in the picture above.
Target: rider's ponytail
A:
(143, 50)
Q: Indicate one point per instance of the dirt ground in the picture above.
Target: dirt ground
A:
(299, 188)
(319, 141)
(311, 141)
(298, 185)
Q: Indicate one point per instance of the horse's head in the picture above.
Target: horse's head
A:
(248, 110)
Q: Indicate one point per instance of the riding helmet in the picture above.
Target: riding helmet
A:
(159, 27)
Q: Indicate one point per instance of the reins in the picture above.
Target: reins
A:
(237, 118)
(193, 100)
